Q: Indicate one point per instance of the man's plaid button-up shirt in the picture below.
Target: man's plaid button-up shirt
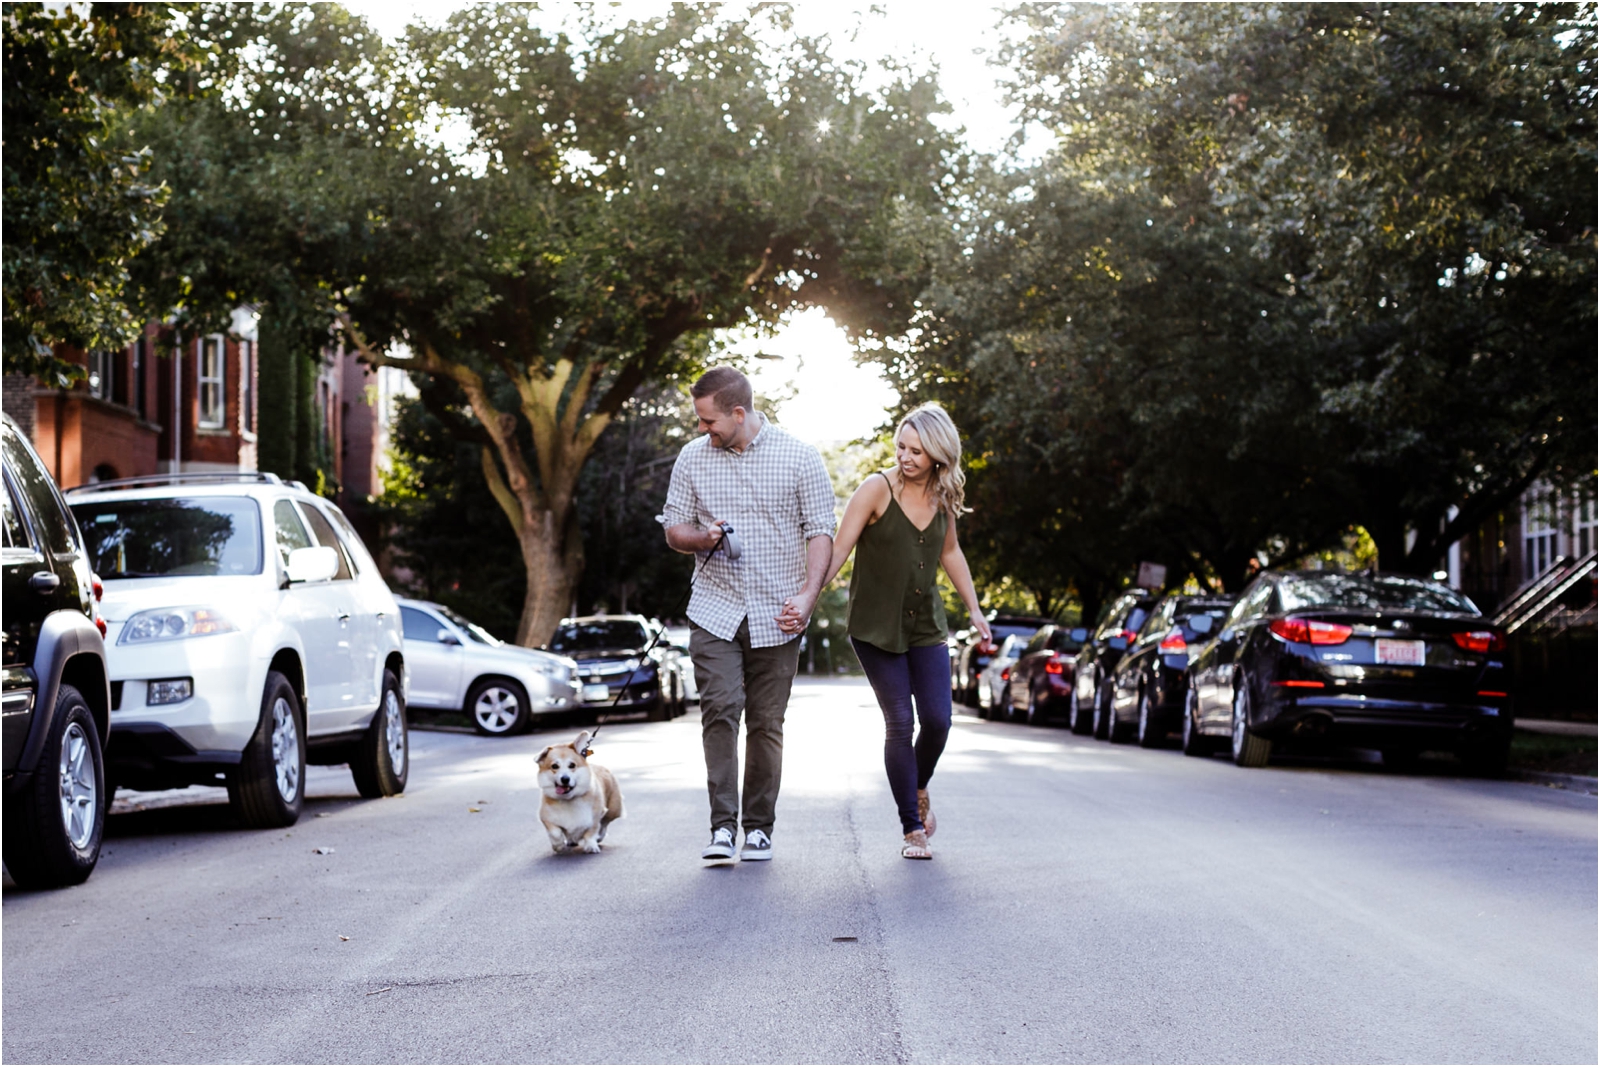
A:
(777, 496)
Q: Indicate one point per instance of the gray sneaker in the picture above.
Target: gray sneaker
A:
(721, 847)
(757, 846)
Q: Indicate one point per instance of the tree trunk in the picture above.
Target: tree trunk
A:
(553, 560)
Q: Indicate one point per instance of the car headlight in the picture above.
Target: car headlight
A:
(631, 665)
(170, 624)
(551, 668)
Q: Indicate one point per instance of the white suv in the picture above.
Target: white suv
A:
(248, 633)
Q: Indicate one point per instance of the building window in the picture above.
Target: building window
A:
(213, 366)
(247, 386)
(1584, 520)
(1540, 531)
(102, 374)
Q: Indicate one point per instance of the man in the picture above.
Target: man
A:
(774, 491)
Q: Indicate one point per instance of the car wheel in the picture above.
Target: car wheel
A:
(1249, 749)
(54, 825)
(1117, 731)
(1079, 720)
(1150, 733)
(1102, 711)
(498, 706)
(660, 708)
(1195, 743)
(269, 787)
(383, 756)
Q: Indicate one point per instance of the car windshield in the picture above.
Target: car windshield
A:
(473, 631)
(1369, 592)
(595, 636)
(172, 537)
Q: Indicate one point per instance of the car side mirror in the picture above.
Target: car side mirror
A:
(445, 637)
(1200, 624)
(1227, 636)
(1080, 635)
(316, 564)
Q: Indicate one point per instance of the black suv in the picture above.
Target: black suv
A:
(56, 704)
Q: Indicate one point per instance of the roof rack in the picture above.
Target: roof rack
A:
(188, 478)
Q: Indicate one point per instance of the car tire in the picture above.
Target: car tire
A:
(1486, 759)
(1117, 731)
(383, 756)
(1102, 711)
(659, 709)
(268, 789)
(498, 707)
(54, 826)
(1195, 743)
(1249, 748)
(1150, 735)
(1078, 720)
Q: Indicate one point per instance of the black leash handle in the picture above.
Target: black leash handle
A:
(722, 538)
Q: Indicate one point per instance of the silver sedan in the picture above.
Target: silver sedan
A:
(453, 664)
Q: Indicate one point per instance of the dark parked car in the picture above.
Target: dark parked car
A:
(971, 653)
(1089, 708)
(57, 701)
(1041, 680)
(611, 657)
(1381, 661)
(1149, 683)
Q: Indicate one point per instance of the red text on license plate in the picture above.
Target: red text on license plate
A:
(1407, 653)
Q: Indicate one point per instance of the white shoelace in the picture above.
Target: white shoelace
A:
(758, 839)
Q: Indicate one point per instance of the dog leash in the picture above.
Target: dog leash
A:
(729, 549)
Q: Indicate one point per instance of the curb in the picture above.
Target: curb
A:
(1578, 783)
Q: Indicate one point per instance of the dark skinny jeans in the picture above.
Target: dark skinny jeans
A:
(897, 678)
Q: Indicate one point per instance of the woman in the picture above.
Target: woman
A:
(905, 523)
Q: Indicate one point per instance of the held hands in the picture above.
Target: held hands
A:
(796, 612)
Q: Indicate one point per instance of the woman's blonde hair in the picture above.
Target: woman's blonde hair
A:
(941, 443)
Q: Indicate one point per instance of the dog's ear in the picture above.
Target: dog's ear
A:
(540, 757)
(582, 743)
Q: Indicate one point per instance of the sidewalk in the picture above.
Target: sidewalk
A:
(1557, 726)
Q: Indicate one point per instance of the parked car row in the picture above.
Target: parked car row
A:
(1301, 660)
(230, 629)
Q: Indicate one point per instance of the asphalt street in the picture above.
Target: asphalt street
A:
(1087, 902)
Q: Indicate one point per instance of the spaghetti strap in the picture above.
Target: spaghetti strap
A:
(890, 484)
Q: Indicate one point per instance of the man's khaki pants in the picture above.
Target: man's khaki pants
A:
(735, 680)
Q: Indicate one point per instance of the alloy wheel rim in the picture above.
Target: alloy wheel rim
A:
(394, 731)
(1238, 722)
(79, 810)
(496, 709)
(285, 750)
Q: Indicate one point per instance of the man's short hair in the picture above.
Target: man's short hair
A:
(727, 388)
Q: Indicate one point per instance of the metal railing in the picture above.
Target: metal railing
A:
(1542, 596)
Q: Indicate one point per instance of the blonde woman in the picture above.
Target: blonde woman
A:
(903, 524)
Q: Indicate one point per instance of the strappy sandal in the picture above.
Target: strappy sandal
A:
(916, 847)
(925, 812)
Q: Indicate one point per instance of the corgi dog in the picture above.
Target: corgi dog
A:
(581, 799)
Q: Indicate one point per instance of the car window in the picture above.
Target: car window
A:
(1185, 613)
(598, 636)
(359, 556)
(1061, 641)
(1253, 603)
(1003, 630)
(1009, 648)
(16, 533)
(291, 531)
(172, 537)
(1112, 626)
(323, 529)
(1038, 641)
(1364, 592)
(49, 510)
(419, 625)
(473, 631)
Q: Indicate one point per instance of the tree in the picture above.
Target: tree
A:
(1419, 177)
(77, 205)
(639, 189)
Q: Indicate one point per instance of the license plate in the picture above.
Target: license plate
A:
(1404, 653)
(599, 691)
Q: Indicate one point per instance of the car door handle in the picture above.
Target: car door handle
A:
(45, 582)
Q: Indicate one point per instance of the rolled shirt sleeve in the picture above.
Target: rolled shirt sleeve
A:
(817, 517)
(679, 508)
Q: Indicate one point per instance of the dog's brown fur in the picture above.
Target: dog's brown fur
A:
(576, 818)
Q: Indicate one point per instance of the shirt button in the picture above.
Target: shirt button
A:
(911, 611)
(918, 592)
(920, 564)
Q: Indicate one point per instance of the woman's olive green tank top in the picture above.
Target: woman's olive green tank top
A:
(894, 591)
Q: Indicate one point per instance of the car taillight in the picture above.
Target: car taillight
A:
(98, 586)
(100, 624)
(1297, 683)
(1128, 635)
(1492, 693)
(1174, 642)
(1053, 666)
(1311, 631)
(1005, 674)
(1479, 640)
